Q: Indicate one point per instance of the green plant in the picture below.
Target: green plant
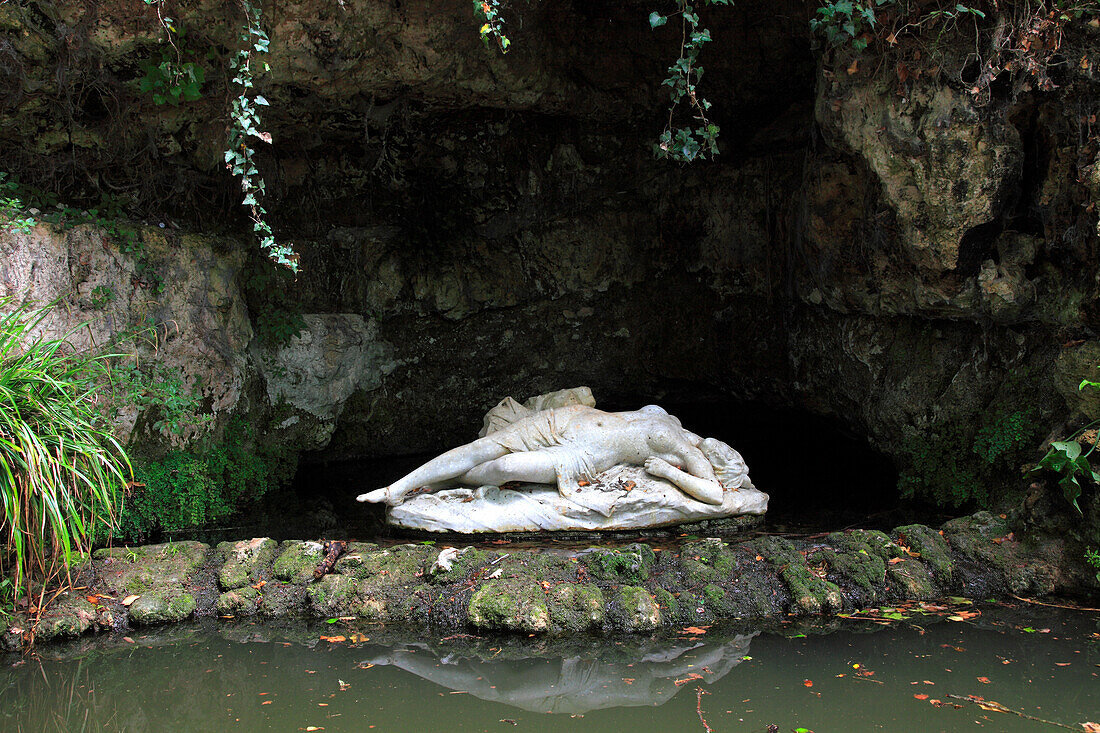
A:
(12, 210)
(189, 489)
(847, 21)
(154, 387)
(952, 465)
(492, 30)
(101, 296)
(271, 298)
(1070, 459)
(244, 124)
(170, 81)
(1092, 557)
(684, 143)
(62, 476)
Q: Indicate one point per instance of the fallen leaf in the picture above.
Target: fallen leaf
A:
(334, 639)
(1091, 727)
(128, 640)
(689, 678)
(695, 630)
(921, 696)
(129, 599)
(807, 683)
(267, 702)
(94, 600)
(983, 680)
(854, 67)
(312, 727)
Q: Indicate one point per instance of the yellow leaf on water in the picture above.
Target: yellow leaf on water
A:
(129, 599)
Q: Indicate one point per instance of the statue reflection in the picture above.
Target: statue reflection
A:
(574, 683)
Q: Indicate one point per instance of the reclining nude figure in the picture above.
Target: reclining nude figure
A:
(567, 445)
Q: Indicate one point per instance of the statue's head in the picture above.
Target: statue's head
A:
(728, 464)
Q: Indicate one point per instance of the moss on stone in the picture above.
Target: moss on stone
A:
(933, 549)
(707, 560)
(69, 616)
(335, 595)
(912, 579)
(668, 604)
(159, 607)
(297, 561)
(634, 609)
(238, 602)
(576, 607)
(153, 568)
(629, 564)
(245, 561)
(459, 568)
(860, 556)
(809, 592)
(513, 604)
(401, 563)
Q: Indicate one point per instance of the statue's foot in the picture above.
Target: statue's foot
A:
(376, 497)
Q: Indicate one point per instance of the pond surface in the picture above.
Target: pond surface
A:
(858, 677)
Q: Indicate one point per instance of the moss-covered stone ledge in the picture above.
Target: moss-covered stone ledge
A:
(495, 587)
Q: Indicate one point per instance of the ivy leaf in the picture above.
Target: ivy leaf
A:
(656, 20)
(1071, 448)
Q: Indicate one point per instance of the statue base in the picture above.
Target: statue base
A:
(623, 498)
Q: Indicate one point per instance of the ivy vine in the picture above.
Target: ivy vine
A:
(492, 30)
(684, 143)
(244, 119)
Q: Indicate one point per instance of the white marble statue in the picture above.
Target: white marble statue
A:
(588, 454)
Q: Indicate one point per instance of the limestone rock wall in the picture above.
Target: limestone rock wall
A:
(915, 260)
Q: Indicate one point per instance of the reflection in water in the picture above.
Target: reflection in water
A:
(576, 683)
(261, 677)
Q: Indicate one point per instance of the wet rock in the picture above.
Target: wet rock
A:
(454, 565)
(245, 561)
(932, 548)
(576, 607)
(279, 598)
(297, 561)
(628, 564)
(400, 563)
(634, 609)
(810, 592)
(985, 542)
(162, 606)
(707, 560)
(514, 605)
(239, 602)
(861, 557)
(143, 570)
(334, 595)
(71, 615)
(912, 580)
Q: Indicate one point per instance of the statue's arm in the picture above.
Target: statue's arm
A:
(708, 491)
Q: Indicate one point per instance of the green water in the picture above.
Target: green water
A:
(256, 677)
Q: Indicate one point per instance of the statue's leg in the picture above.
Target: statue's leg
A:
(536, 467)
(451, 464)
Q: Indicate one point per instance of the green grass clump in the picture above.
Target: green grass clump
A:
(62, 475)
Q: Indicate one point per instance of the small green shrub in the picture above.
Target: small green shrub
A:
(1070, 459)
(1092, 557)
(61, 473)
(191, 489)
(952, 467)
